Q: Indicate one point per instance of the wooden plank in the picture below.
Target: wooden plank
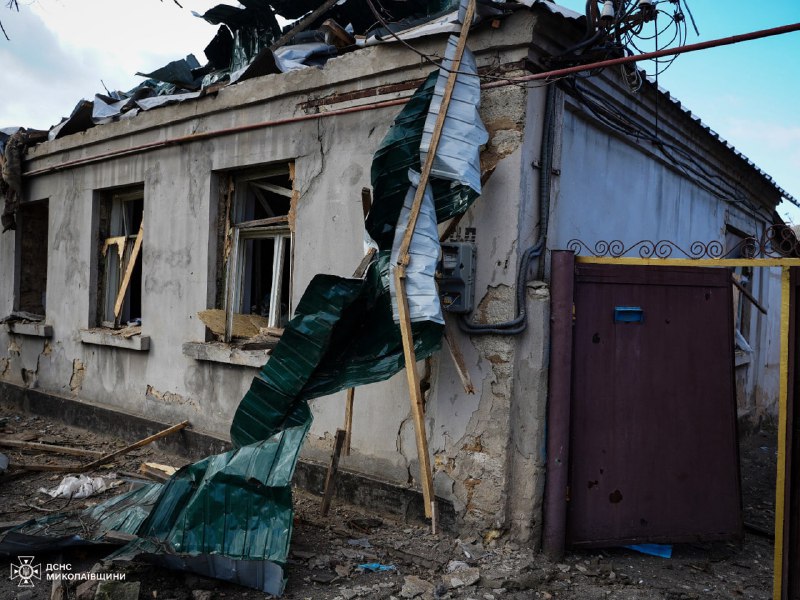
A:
(437, 133)
(303, 24)
(156, 471)
(49, 448)
(48, 468)
(123, 288)
(348, 419)
(366, 201)
(275, 189)
(417, 408)
(244, 326)
(330, 479)
(745, 292)
(455, 352)
(362, 267)
(276, 221)
(148, 440)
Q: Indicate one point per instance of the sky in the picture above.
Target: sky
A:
(64, 50)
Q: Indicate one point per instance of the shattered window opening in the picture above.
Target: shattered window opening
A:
(260, 262)
(121, 221)
(31, 285)
(742, 307)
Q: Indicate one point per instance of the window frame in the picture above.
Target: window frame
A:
(19, 262)
(123, 246)
(239, 231)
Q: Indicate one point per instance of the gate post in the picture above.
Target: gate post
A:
(562, 281)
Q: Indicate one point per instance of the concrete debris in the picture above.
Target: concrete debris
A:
(461, 578)
(414, 587)
(456, 565)
(117, 590)
(86, 590)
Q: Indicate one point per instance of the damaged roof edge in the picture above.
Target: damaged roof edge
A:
(437, 26)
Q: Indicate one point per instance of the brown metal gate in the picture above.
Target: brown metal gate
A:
(653, 451)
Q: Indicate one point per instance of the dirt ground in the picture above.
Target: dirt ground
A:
(326, 553)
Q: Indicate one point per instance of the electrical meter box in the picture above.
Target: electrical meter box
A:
(456, 275)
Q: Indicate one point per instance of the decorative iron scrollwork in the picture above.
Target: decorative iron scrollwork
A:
(778, 241)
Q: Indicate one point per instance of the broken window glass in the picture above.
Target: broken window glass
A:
(120, 261)
(259, 264)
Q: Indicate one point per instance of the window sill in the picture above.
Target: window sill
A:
(31, 329)
(104, 337)
(226, 354)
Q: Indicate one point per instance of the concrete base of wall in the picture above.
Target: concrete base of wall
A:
(386, 498)
(383, 497)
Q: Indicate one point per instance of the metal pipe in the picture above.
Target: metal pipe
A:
(546, 171)
(558, 404)
(727, 41)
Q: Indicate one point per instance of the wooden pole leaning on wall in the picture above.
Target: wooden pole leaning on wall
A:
(417, 406)
(123, 288)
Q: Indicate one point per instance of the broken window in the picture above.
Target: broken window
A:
(120, 260)
(32, 220)
(259, 249)
(743, 290)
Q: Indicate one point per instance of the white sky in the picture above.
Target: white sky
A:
(60, 50)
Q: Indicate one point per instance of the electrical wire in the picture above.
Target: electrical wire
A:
(716, 185)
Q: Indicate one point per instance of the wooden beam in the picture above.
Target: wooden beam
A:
(330, 479)
(49, 448)
(348, 419)
(437, 134)
(268, 222)
(455, 352)
(123, 288)
(271, 187)
(746, 293)
(366, 201)
(303, 24)
(148, 440)
(417, 407)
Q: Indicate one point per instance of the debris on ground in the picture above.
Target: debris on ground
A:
(324, 565)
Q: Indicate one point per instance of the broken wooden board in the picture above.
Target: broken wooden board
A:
(126, 279)
(244, 326)
(157, 471)
(333, 467)
(27, 445)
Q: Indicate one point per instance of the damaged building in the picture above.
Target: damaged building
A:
(163, 239)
